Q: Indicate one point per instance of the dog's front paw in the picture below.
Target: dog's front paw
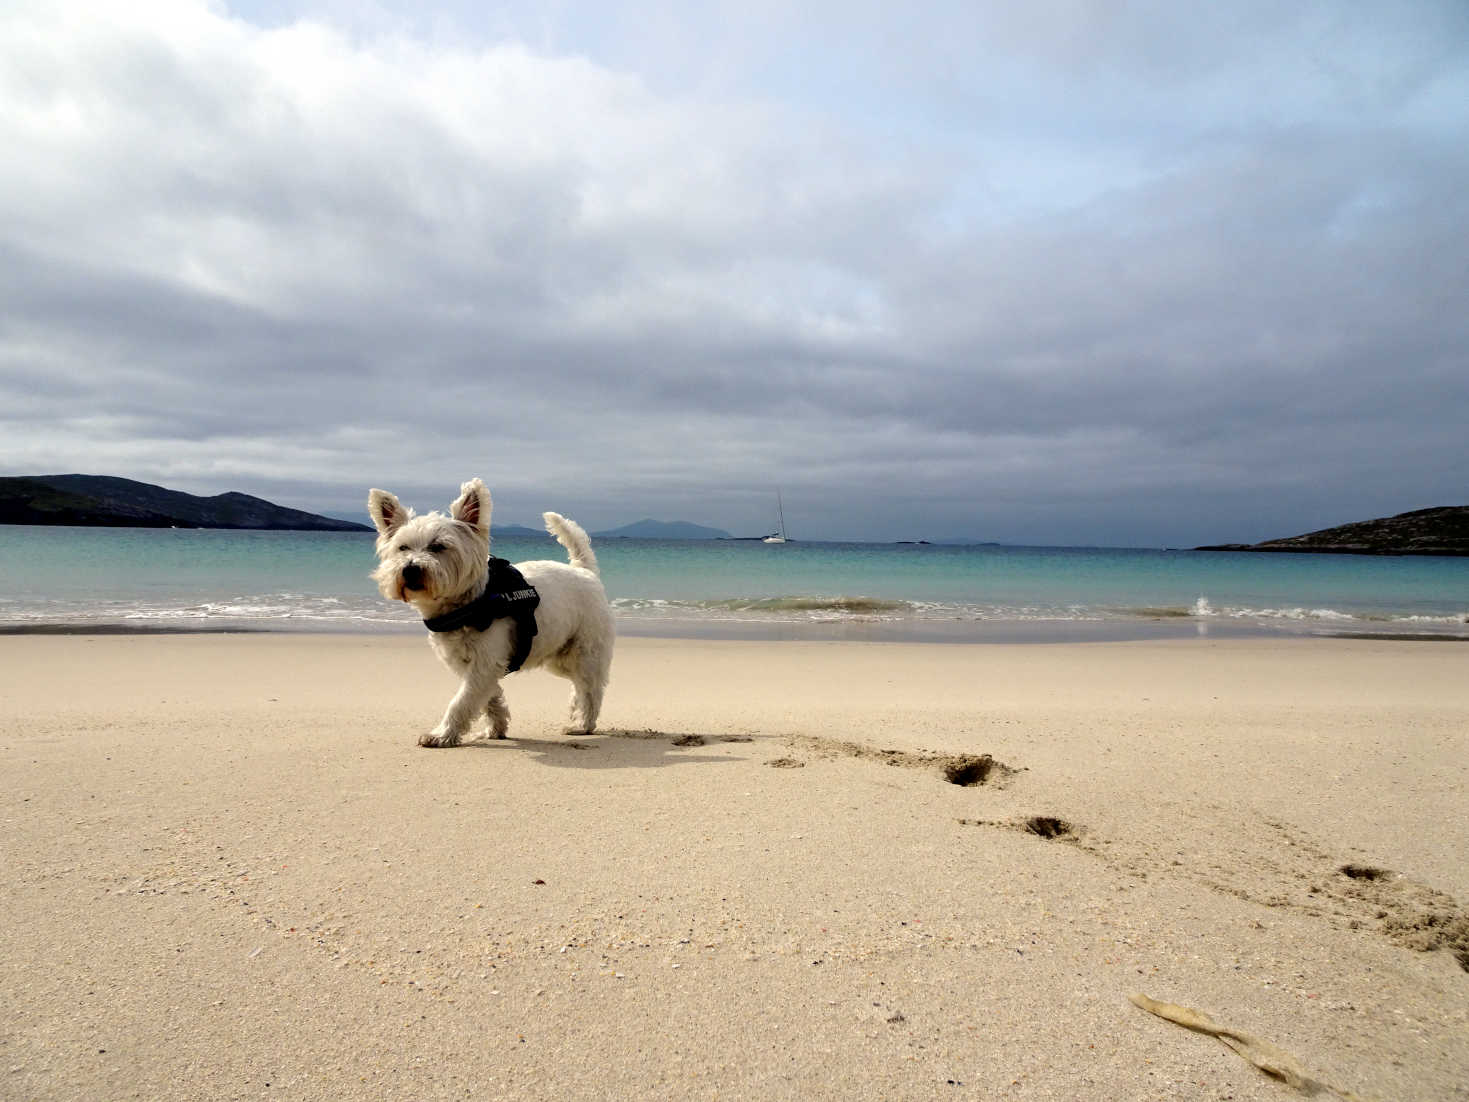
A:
(438, 738)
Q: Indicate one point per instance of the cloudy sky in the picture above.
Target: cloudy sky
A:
(1069, 271)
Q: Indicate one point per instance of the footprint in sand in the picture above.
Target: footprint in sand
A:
(1298, 876)
(965, 770)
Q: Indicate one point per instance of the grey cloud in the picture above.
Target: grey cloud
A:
(299, 261)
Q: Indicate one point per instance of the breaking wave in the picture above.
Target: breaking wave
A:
(859, 609)
(1300, 614)
(851, 605)
(1202, 608)
(769, 607)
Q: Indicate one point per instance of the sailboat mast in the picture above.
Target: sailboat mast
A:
(780, 510)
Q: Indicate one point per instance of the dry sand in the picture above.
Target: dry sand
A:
(230, 873)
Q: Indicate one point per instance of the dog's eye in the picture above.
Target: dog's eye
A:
(435, 548)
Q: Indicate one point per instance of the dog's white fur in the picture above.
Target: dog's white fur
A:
(437, 563)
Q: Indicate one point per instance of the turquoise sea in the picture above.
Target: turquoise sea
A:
(60, 578)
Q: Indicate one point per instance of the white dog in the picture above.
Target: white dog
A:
(483, 613)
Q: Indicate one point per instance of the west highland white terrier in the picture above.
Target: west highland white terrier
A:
(488, 618)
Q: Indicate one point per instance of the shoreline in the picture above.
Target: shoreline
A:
(989, 632)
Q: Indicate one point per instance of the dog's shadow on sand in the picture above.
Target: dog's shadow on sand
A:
(616, 748)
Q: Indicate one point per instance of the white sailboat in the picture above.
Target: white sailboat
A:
(780, 536)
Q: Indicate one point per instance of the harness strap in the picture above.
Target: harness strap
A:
(507, 594)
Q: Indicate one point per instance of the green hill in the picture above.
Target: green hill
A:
(105, 501)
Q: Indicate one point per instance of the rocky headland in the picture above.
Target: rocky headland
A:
(1439, 531)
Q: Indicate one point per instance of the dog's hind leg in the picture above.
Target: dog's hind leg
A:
(499, 713)
(587, 670)
(584, 708)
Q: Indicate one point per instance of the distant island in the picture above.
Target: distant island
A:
(101, 501)
(1440, 531)
(662, 530)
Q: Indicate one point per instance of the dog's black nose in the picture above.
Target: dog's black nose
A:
(412, 577)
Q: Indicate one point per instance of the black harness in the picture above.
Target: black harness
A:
(507, 593)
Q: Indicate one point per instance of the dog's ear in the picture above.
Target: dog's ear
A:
(473, 506)
(387, 512)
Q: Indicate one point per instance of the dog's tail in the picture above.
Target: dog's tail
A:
(570, 535)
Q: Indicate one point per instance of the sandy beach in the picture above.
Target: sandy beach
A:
(230, 873)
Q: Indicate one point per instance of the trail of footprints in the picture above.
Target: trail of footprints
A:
(1301, 876)
(1296, 874)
